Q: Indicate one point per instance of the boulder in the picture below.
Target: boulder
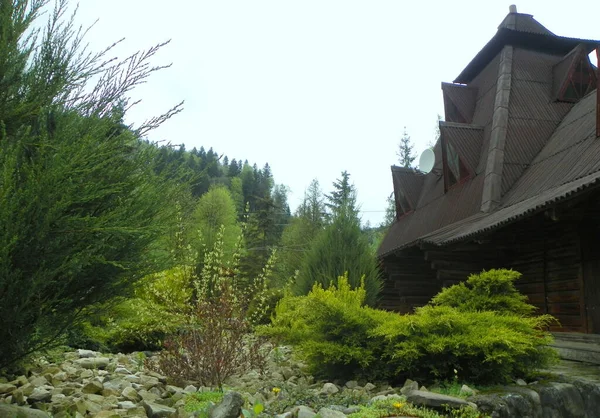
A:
(465, 390)
(13, 411)
(6, 388)
(409, 386)
(130, 394)
(93, 387)
(561, 400)
(329, 389)
(330, 413)
(351, 384)
(154, 410)
(93, 362)
(370, 386)
(435, 400)
(86, 353)
(39, 395)
(230, 407)
(303, 412)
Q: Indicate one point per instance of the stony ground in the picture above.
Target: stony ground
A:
(84, 383)
(89, 384)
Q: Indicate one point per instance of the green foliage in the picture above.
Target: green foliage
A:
(492, 290)
(291, 395)
(405, 151)
(341, 248)
(158, 307)
(80, 204)
(339, 337)
(214, 342)
(215, 209)
(481, 346)
(200, 402)
(399, 407)
(329, 326)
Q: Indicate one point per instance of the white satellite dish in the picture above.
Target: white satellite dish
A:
(427, 160)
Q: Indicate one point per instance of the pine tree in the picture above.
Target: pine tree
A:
(405, 151)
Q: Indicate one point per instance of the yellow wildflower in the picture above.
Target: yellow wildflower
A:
(276, 390)
(398, 405)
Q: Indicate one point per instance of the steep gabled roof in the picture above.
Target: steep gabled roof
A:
(568, 164)
(522, 147)
(523, 31)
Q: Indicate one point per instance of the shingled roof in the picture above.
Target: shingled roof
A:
(548, 150)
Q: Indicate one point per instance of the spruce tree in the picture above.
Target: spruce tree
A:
(341, 248)
(405, 151)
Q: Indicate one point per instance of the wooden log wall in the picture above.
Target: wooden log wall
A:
(409, 282)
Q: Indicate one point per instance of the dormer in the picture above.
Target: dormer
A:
(459, 102)
(461, 148)
(408, 184)
(574, 76)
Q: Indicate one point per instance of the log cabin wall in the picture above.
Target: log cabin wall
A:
(409, 282)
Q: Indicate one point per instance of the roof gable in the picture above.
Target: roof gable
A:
(459, 102)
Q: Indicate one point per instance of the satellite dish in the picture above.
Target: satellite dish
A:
(427, 160)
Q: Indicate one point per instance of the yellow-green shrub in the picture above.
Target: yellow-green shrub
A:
(339, 336)
(157, 308)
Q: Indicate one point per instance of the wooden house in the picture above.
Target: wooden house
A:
(516, 180)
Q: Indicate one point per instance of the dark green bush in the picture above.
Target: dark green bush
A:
(339, 337)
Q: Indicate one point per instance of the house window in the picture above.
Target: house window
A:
(454, 169)
(580, 82)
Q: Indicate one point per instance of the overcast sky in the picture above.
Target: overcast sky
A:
(312, 87)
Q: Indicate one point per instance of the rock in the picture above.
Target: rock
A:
(20, 381)
(39, 381)
(278, 377)
(122, 370)
(7, 388)
(385, 397)
(107, 414)
(287, 372)
(329, 389)
(126, 405)
(409, 386)
(86, 353)
(424, 389)
(154, 410)
(93, 387)
(130, 394)
(190, 389)
(590, 393)
(93, 362)
(92, 407)
(521, 382)
(13, 411)
(330, 413)
(435, 400)
(148, 396)
(149, 381)
(131, 378)
(351, 410)
(19, 397)
(303, 412)
(39, 395)
(561, 400)
(351, 384)
(230, 407)
(465, 390)
(285, 415)
(370, 386)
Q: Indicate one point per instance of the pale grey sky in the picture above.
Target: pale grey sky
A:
(312, 87)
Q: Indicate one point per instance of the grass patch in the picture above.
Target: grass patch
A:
(200, 401)
(399, 407)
